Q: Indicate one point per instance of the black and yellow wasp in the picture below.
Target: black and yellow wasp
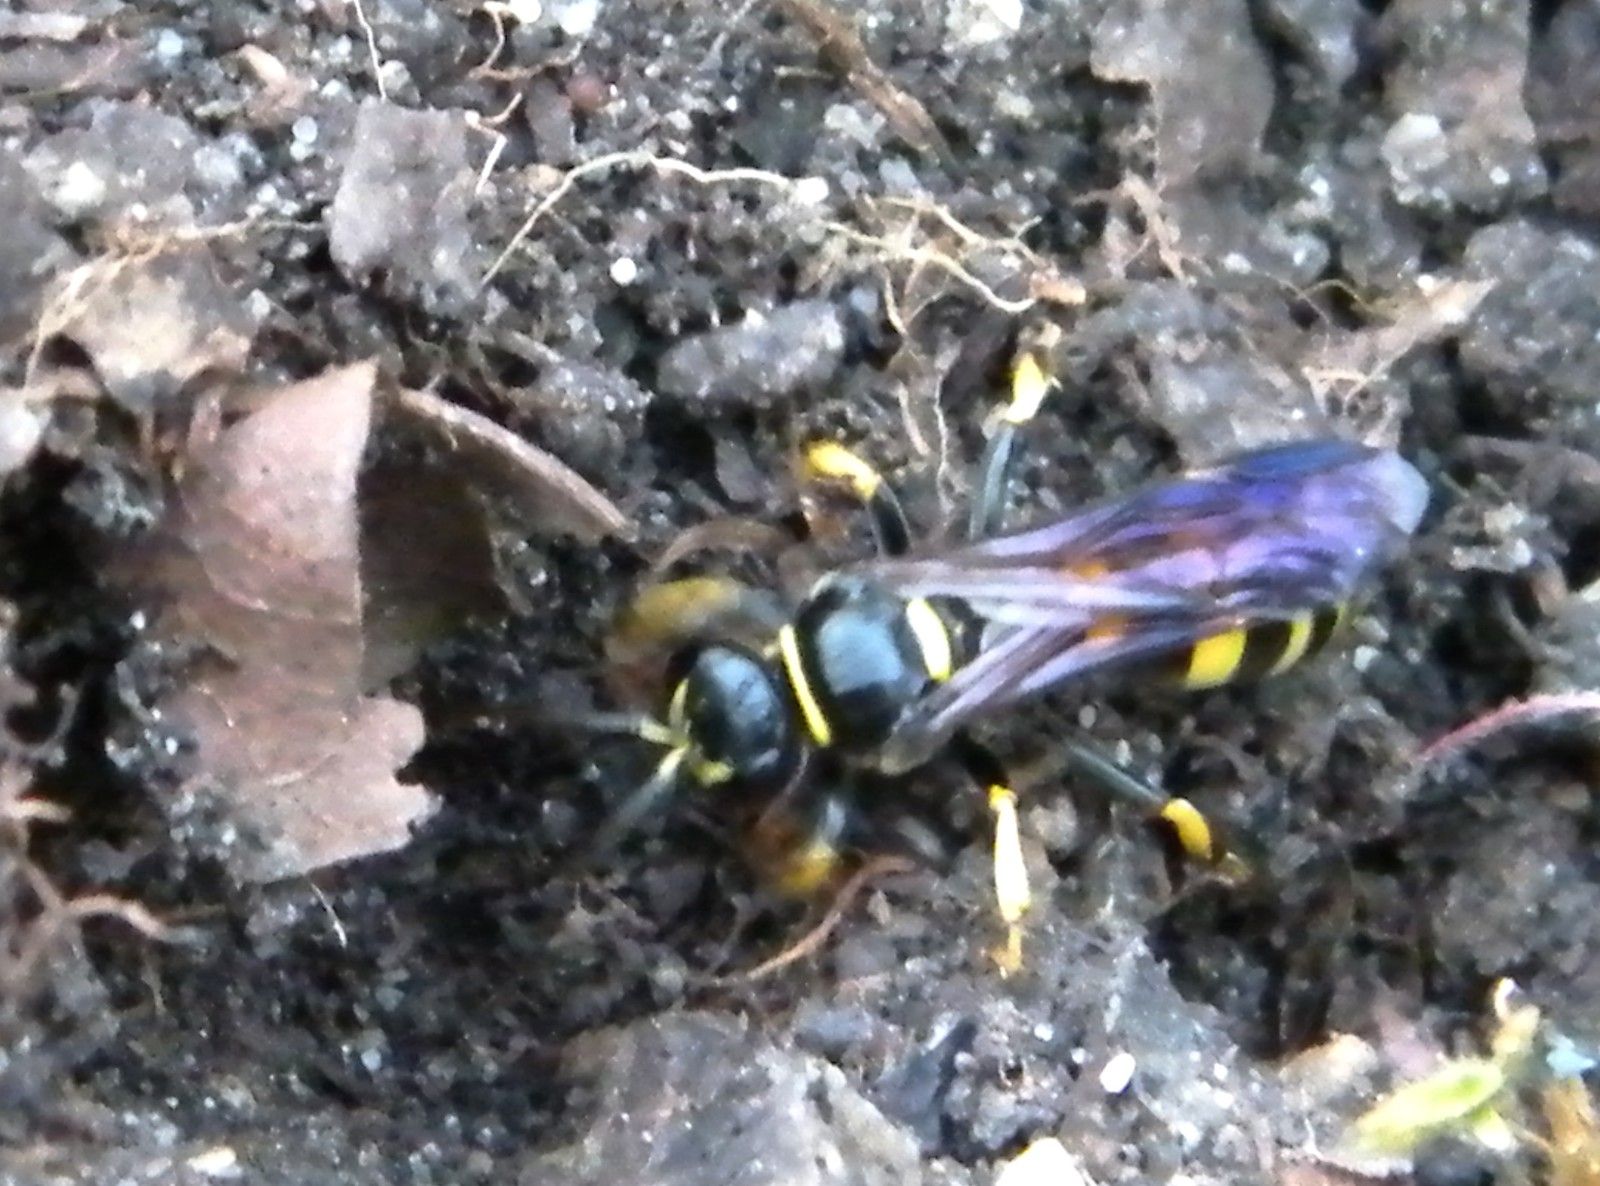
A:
(1232, 573)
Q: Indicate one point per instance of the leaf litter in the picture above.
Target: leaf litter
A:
(259, 560)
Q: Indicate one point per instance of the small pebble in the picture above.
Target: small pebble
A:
(169, 45)
(811, 191)
(1046, 1162)
(1117, 1074)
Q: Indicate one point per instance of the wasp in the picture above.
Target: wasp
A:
(1226, 574)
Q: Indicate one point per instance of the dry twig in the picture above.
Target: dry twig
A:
(841, 47)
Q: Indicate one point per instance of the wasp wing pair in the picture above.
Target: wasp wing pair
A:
(1232, 572)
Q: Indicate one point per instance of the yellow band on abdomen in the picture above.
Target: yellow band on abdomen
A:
(1215, 660)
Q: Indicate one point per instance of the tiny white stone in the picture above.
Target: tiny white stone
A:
(217, 1162)
(1117, 1074)
(80, 188)
(578, 18)
(984, 22)
(21, 428)
(811, 191)
(624, 271)
(1046, 1162)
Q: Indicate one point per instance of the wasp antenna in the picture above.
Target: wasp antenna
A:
(660, 787)
(630, 724)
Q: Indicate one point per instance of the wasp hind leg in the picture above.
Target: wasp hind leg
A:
(1012, 893)
(1187, 835)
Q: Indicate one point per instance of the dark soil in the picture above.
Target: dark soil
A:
(743, 226)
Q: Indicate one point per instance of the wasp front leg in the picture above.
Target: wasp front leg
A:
(1031, 382)
(828, 463)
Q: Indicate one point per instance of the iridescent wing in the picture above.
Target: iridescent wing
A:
(1265, 536)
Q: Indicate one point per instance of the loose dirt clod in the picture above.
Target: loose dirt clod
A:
(667, 1108)
(400, 212)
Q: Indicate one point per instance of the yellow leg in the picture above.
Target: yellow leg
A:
(1013, 898)
(1186, 833)
(1197, 841)
(1191, 829)
(1031, 381)
(830, 463)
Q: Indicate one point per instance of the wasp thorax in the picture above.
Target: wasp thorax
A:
(861, 661)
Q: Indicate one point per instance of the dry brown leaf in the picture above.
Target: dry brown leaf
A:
(151, 324)
(556, 499)
(260, 560)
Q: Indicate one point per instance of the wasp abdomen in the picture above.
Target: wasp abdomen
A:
(1253, 651)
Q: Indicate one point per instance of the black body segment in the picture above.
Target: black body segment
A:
(856, 663)
(1246, 652)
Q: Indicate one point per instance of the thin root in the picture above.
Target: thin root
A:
(1052, 287)
(631, 160)
(813, 939)
(1533, 710)
(926, 256)
(373, 57)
